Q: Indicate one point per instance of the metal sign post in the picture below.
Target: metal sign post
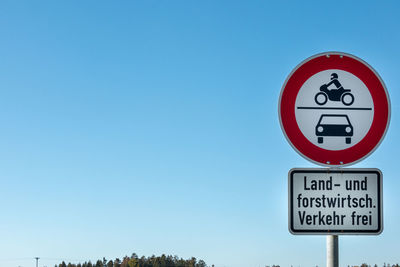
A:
(332, 251)
(334, 110)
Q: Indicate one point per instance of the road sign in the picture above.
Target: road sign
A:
(338, 202)
(334, 109)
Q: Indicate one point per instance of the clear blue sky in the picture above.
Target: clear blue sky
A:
(152, 127)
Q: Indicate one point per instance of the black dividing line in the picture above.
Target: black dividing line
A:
(336, 184)
(334, 108)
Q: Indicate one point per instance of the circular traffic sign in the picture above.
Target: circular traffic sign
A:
(334, 109)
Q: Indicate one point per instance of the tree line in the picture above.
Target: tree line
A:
(135, 261)
(165, 261)
(375, 265)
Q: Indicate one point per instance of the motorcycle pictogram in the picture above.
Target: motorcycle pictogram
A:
(338, 94)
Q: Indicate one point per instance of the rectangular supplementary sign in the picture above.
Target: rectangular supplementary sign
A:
(335, 201)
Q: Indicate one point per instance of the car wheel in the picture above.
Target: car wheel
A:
(320, 140)
(348, 140)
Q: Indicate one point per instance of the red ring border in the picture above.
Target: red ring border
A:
(376, 87)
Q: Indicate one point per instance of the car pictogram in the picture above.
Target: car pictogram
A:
(331, 125)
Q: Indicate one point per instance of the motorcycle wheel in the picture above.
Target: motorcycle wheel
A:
(321, 98)
(347, 99)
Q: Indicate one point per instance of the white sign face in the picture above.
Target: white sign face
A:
(342, 201)
(334, 109)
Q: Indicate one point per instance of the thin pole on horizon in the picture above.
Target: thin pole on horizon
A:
(37, 261)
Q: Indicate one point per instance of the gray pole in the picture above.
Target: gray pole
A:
(37, 259)
(332, 251)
